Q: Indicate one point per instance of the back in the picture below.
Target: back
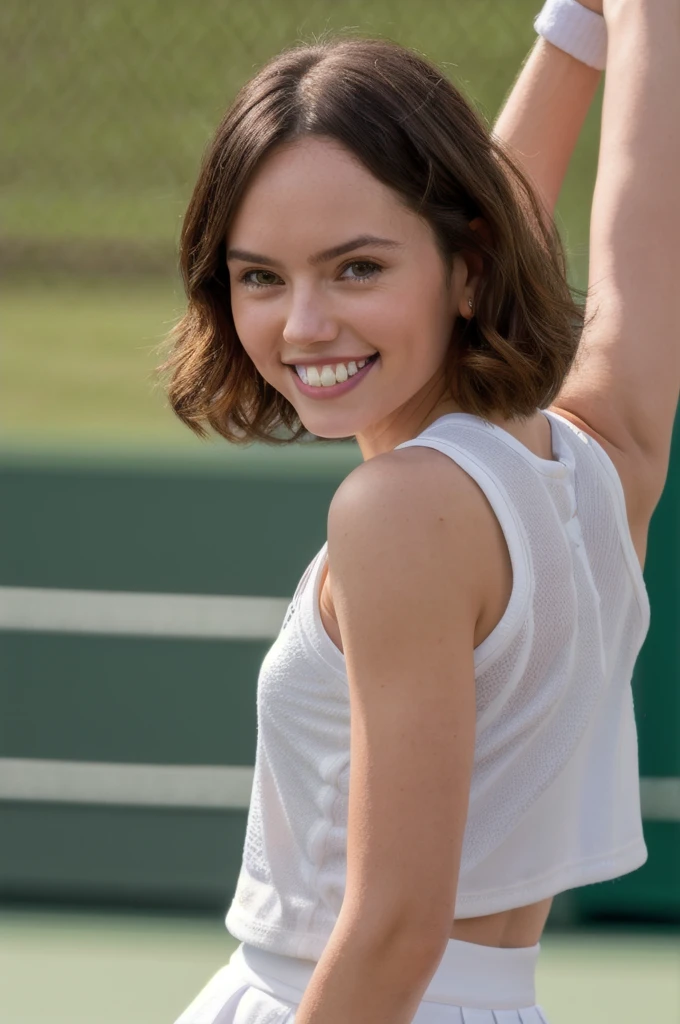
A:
(554, 799)
(556, 750)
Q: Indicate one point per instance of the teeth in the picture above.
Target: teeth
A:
(329, 375)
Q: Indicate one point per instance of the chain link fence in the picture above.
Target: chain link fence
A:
(109, 104)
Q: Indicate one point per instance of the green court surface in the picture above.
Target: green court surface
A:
(71, 968)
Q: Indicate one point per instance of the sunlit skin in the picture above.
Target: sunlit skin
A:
(308, 197)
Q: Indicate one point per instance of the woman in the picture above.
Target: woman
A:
(362, 260)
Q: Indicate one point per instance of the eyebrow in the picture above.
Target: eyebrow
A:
(319, 257)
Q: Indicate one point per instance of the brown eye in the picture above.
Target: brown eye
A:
(365, 269)
(247, 280)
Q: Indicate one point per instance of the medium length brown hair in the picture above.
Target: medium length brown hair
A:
(414, 131)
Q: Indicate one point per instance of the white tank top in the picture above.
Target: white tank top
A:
(554, 798)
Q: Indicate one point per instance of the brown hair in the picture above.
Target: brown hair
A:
(413, 130)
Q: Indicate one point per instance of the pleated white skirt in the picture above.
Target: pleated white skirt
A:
(472, 985)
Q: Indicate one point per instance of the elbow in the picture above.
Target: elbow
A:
(408, 942)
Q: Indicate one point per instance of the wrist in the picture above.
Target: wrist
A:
(593, 5)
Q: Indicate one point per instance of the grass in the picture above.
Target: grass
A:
(79, 360)
(72, 968)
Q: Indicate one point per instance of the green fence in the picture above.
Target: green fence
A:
(121, 660)
(139, 596)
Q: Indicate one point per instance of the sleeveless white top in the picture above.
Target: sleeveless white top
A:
(554, 798)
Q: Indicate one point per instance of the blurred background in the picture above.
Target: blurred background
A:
(142, 574)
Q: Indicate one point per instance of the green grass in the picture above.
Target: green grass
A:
(69, 968)
(78, 361)
(55, 214)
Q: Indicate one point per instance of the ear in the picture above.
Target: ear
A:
(474, 262)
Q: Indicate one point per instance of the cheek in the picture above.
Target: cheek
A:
(415, 322)
(255, 329)
(379, 320)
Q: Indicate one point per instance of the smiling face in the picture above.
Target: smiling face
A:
(328, 268)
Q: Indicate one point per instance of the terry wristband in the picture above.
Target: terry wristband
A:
(576, 29)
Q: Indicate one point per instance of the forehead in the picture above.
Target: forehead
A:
(315, 183)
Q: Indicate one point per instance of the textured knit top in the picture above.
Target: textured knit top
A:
(555, 797)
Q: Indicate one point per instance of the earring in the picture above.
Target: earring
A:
(470, 305)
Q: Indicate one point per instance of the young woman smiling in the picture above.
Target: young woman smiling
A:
(445, 726)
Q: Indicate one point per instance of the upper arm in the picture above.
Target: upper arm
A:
(626, 380)
(401, 548)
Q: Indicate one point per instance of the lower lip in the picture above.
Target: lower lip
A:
(336, 389)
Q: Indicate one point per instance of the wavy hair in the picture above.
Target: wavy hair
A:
(415, 132)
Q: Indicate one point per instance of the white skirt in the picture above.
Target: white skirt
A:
(472, 984)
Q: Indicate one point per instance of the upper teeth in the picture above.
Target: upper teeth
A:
(327, 375)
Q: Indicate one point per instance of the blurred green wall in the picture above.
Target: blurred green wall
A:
(243, 523)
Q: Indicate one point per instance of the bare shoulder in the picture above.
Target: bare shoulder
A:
(412, 512)
(403, 489)
(640, 488)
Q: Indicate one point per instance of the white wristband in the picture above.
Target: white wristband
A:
(576, 29)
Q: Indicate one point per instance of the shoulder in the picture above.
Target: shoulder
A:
(417, 486)
(410, 512)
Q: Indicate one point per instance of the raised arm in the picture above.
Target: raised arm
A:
(627, 378)
(543, 115)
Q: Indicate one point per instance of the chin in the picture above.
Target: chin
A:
(331, 428)
(330, 434)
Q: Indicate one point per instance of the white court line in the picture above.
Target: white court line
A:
(198, 786)
(133, 785)
(134, 614)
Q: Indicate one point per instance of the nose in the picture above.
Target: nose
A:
(309, 319)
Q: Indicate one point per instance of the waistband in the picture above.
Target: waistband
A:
(469, 975)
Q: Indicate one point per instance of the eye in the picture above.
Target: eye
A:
(249, 283)
(367, 270)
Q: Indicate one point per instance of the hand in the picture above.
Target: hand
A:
(592, 5)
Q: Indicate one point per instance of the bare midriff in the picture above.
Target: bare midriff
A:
(516, 928)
